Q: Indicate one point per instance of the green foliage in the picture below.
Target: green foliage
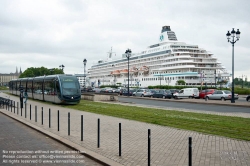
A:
(40, 71)
(181, 82)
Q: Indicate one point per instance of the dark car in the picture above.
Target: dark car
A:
(122, 90)
(125, 92)
(87, 89)
(203, 93)
(173, 91)
(162, 93)
(248, 98)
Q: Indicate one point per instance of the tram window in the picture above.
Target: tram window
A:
(49, 87)
(29, 86)
(58, 88)
(37, 87)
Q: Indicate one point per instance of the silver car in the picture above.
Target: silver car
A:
(222, 95)
(142, 93)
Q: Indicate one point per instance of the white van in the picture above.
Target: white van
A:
(187, 93)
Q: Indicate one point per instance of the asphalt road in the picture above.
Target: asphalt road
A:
(20, 144)
(193, 106)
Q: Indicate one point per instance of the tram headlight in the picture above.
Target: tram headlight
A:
(72, 97)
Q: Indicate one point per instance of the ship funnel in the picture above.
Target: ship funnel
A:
(167, 34)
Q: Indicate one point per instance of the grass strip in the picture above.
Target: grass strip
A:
(231, 127)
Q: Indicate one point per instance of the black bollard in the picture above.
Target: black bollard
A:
(81, 127)
(149, 146)
(14, 107)
(17, 110)
(68, 123)
(49, 118)
(58, 120)
(35, 113)
(190, 151)
(42, 116)
(11, 105)
(98, 132)
(30, 111)
(120, 139)
(25, 109)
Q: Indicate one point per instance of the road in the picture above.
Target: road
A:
(16, 137)
(184, 105)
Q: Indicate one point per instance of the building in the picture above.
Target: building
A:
(6, 78)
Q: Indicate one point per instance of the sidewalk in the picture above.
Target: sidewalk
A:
(169, 146)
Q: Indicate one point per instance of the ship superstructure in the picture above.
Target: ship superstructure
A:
(163, 63)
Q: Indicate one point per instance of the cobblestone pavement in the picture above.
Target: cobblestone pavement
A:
(169, 146)
(16, 137)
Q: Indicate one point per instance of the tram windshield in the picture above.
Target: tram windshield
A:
(70, 86)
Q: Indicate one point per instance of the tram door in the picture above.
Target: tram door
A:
(49, 89)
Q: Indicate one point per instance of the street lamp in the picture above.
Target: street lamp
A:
(61, 67)
(242, 81)
(215, 79)
(232, 35)
(84, 63)
(52, 70)
(128, 55)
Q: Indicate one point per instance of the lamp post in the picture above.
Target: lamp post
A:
(128, 55)
(232, 35)
(215, 79)
(242, 81)
(84, 63)
(62, 67)
(52, 70)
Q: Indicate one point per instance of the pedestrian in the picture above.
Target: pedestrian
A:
(26, 96)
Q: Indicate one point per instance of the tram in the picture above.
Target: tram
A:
(59, 89)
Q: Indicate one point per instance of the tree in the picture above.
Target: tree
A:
(40, 71)
(181, 82)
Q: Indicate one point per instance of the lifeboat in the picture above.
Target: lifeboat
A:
(116, 72)
(124, 71)
(135, 70)
(144, 68)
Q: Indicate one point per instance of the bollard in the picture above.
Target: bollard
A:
(14, 108)
(11, 105)
(49, 118)
(68, 123)
(98, 132)
(35, 113)
(25, 109)
(81, 127)
(42, 116)
(120, 139)
(30, 111)
(190, 151)
(58, 122)
(17, 104)
(149, 146)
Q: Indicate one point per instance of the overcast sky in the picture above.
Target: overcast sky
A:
(35, 33)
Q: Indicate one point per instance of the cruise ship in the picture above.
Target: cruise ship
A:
(163, 63)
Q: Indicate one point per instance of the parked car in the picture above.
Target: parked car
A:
(122, 90)
(173, 91)
(142, 93)
(187, 93)
(87, 89)
(162, 93)
(106, 90)
(203, 93)
(248, 98)
(222, 95)
(125, 92)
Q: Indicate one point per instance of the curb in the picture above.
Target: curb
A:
(90, 154)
